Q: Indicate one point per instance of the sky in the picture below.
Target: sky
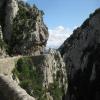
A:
(63, 16)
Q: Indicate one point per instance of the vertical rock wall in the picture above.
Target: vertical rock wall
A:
(81, 52)
(23, 29)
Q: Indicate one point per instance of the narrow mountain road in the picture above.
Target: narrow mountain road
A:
(7, 64)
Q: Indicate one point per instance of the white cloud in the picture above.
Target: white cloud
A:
(23, 0)
(57, 36)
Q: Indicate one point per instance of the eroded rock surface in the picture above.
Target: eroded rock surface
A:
(81, 52)
(10, 90)
(44, 75)
(30, 34)
(2, 45)
(8, 11)
(23, 28)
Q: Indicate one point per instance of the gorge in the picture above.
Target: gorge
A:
(28, 72)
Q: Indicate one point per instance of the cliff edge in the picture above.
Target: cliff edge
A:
(81, 53)
(23, 29)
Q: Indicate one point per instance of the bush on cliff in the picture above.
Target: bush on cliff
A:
(29, 76)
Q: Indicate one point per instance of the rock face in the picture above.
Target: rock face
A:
(81, 53)
(8, 12)
(23, 28)
(30, 34)
(9, 90)
(44, 76)
(24, 35)
(53, 65)
(2, 45)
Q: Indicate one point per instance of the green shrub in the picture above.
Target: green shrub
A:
(31, 78)
(55, 90)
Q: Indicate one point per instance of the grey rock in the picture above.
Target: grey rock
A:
(2, 45)
(81, 54)
(50, 67)
(23, 28)
(11, 90)
(29, 31)
(52, 64)
(9, 10)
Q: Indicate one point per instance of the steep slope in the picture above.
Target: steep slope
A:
(81, 52)
(9, 90)
(23, 29)
(43, 76)
(23, 37)
(30, 34)
(2, 45)
(8, 11)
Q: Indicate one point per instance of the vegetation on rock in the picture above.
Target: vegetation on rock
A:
(31, 77)
(30, 72)
(29, 31)
(55, 90)
(28, 34)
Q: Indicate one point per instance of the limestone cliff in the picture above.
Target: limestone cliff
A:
(2, 45)
(30, 34)
(43, 76)
(81, 52)
(23, 28)
(8, 11)
(24, 35)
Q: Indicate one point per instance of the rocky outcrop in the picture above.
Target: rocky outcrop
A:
(81, 53)
(23, 28)
(24, 35)
(8, 12)
(52, 65)
(9, 90)
(30, 34)
(44, 76)
(2, 45)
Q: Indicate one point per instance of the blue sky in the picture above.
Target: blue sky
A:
(62, 16)
(68, 13)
